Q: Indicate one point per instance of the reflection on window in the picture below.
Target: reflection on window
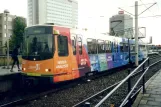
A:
(92, 46)
(115, 46)
(126, 47)
(38, 46)
(101, 46)
(121, 47)
(80, 45)
(132, 48)
(74, 45)
(62, 46)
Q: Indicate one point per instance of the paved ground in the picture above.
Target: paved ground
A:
(152, 98)
(5, 71)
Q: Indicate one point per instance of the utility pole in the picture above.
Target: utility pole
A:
(136, 33)
(136, 27)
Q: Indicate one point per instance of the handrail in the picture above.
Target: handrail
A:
(133, 88)
(96, 94)
(122, 82)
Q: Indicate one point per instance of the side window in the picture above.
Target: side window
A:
(121, 47)
(126, 47)
(62, 45)
(80, 45)
(101, 46)
(110, 46)
(89, 46)
(132, 47)
(74, 45)
(117, 47)
(107, 47)
(92, 46)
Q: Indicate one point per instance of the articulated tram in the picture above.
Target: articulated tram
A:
(58, 54)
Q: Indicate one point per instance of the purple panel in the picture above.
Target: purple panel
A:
(109, 60)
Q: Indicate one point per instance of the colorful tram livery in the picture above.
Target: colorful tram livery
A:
(59, 54)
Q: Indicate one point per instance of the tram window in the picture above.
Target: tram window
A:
(62, 46)
(74, 45)
(132, 48)
(101, 46)
(121, 47)
(80, 45)
(106, 46)
(89, 46)
(110, 46)
(126, 47)
(92, 46)
(115, 46)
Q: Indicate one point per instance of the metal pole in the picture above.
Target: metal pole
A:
(7, 40)
(136, 33)
(129, 52)
(144, 79)
(129, 88)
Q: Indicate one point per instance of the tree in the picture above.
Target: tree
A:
(18, 26)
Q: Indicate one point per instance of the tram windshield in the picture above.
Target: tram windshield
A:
(37, 46)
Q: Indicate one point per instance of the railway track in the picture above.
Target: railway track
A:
(59, 90)
(31, 94)
(119, 95)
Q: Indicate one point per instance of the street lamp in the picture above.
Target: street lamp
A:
(6, 12)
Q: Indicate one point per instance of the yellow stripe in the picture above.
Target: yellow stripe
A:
(33, 74)
(36, 74)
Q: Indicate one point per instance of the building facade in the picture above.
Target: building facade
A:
(3, 34)
(121, 25)
(3, 30)
(60, 12)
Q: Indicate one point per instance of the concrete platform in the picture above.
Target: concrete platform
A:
(8, 79)
(4, 71)
(152, 97)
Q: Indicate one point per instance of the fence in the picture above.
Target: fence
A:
(131, 86)
(3, 60)
(128, 100)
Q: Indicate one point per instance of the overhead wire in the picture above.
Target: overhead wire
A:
(147, 7)
(157, 5)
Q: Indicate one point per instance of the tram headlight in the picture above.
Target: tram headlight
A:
(24, 69)
(47, 70)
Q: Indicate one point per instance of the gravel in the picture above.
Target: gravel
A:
(71, 96)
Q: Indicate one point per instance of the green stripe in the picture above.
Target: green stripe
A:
(37, 74)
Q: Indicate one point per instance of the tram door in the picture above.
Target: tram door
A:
(81, 56)
(74, 59)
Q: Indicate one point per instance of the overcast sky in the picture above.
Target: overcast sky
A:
(91, 10)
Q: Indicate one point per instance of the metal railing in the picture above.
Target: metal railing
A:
(129, 84)
(132, 92)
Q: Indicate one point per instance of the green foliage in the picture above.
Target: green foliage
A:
(19, 25)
